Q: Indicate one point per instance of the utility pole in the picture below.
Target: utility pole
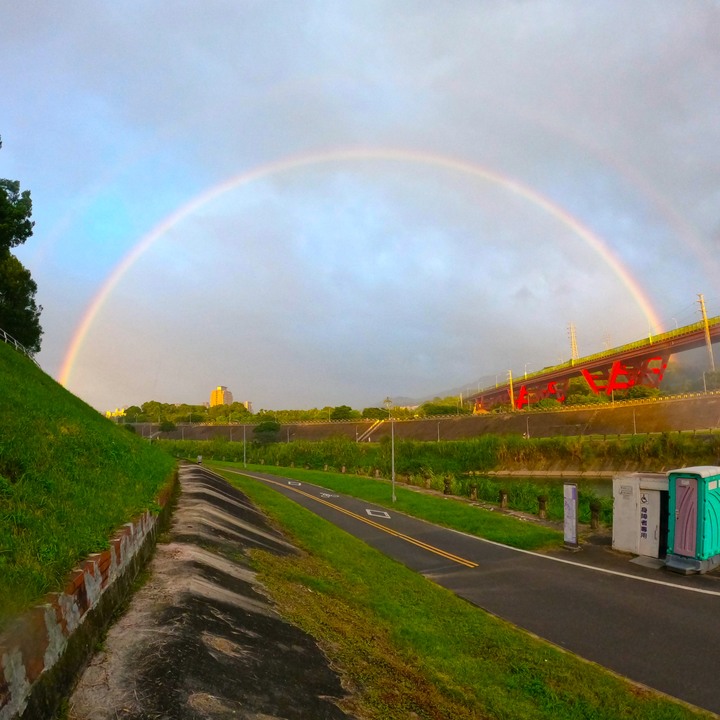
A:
(573, 344)
(707, 331)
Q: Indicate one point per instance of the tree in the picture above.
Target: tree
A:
(15, 211)
(375, 413)
(642, 391)
(580, 393)
(344, 412)
(19, 314)
(267, 431)
(132, 413)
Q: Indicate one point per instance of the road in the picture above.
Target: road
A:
(651, 626)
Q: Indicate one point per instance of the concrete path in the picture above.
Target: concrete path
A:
(200, 639)
(651, 626)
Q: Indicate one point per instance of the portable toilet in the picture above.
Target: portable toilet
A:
(640, 510)
(694, 522)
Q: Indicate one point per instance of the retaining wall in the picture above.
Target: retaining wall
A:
(43, 650)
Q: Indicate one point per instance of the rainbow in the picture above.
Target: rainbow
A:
(348, 155)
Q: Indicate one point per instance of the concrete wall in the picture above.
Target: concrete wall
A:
(42, 651)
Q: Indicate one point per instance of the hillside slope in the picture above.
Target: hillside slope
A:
(68, 479)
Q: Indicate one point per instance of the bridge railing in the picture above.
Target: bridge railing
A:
(10, 340)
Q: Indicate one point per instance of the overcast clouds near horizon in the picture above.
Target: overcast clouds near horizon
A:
(409, 196)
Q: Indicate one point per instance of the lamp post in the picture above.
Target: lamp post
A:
(244, 449)
(388, 405)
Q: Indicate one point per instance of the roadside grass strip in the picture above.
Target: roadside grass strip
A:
(409, 648)
(445, 511)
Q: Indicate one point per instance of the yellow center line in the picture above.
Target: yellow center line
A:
(389, 531)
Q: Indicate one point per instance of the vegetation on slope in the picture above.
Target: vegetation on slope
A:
(69, 479)
(459, 458)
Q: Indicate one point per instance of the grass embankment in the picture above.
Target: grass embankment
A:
(409, 648)
(69, 479)
(447, 512)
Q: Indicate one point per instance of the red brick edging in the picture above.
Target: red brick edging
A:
(38, 642)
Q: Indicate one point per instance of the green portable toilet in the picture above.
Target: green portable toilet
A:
(694, 519)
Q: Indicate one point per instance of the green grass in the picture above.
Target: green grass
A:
(409, 648)
(448, 512)
(69, 479)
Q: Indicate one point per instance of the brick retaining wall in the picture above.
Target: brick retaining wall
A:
(42, 651)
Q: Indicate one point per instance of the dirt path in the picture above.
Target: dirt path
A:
(200, 639)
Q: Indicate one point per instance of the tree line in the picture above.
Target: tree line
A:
(169, 414)
(19, 313)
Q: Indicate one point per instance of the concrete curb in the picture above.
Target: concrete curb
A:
(42, 651)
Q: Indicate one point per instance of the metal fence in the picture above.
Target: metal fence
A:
(10, 340)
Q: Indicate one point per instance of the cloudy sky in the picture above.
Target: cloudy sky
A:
(323, 203)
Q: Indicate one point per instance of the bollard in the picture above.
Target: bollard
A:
(377, 472)
(325, 467)
(342, 469)
(292, 464)
(503, 498)
(595, 514)
(447, 489)
(542, 506)
(473, 491)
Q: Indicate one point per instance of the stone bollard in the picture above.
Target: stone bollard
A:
(262, 462)
(447, 486)
(542, 506)
(377, 472)
(503, 498)
(342, 469)
(325, 467)
(595, 507)
(473, 491)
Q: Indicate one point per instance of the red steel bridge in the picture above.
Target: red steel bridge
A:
(639, 363)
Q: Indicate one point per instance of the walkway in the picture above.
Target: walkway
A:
(651, 626)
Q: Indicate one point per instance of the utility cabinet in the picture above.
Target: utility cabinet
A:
(640, 513)
(694, 519)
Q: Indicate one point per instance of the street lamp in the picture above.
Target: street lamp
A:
(526, 367)
(244, 449)
(388, 405)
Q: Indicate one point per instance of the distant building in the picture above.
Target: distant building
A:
(220, 396)
(248, 405)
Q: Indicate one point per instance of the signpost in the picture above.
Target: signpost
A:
(570, 495)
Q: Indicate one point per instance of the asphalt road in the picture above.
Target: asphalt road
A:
(651, 626)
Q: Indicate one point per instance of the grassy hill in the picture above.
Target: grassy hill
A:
(68, 479)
